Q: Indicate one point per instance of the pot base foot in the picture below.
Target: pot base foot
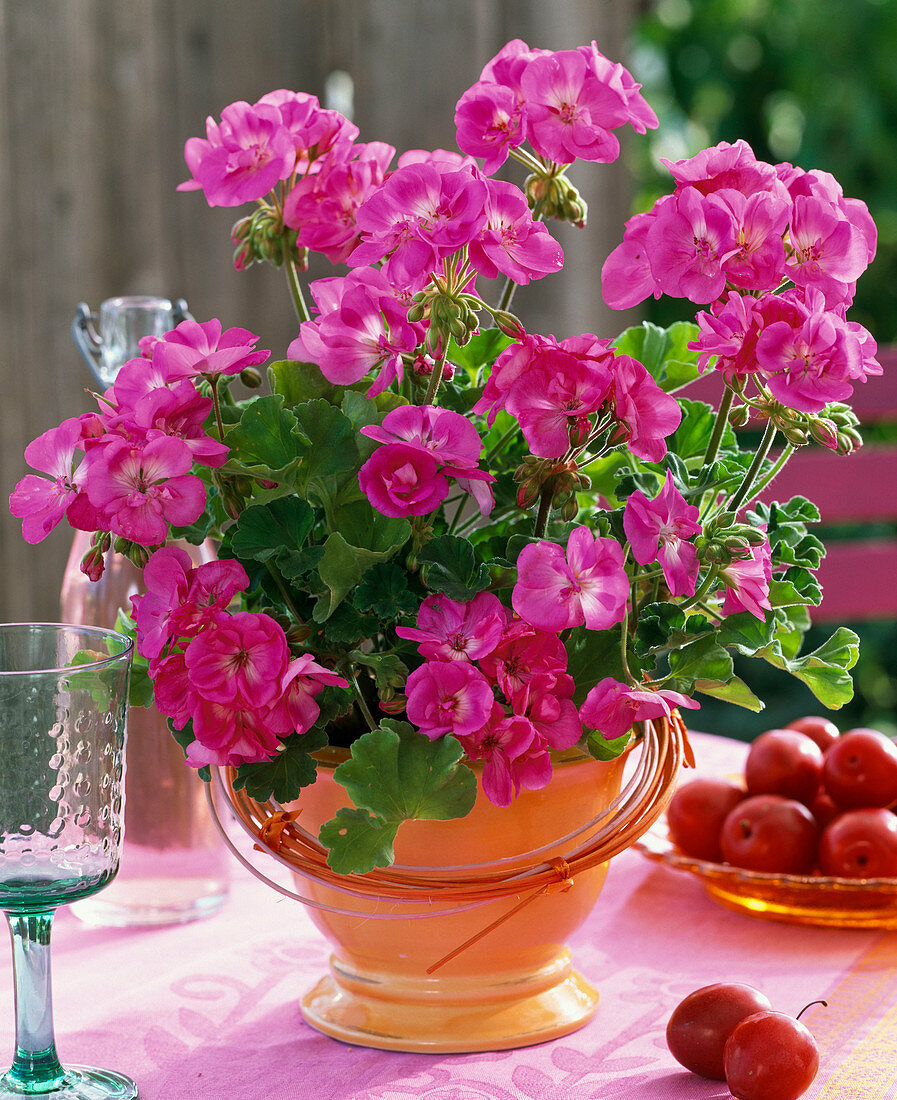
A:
(394, 1016)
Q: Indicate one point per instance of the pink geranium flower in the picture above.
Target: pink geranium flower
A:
(626, 276)
(402, 481)
(514, 756)
(448, 697)
(322, 205)
(828, 251)
(547, 704)
(689, 243)
(747, 583)
(658, 530)
(612, 707)
(303, 680)
(362, 328)
(645, 412)
(447, 445)
(42, 502)
(588, 584)
(139, 489)
(448, 630)
(241, 158)
(490, 120)
(523, 654)
(238, 660)
(555, 400)
(205, 348)
(511, 243)
(570, 112)
(228, 736)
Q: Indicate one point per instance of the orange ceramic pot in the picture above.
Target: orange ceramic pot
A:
(513, 987)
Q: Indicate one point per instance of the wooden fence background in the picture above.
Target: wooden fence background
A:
(96, 100)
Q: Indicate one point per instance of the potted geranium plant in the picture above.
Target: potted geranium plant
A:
(448, 544)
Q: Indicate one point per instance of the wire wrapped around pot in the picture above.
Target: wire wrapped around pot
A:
(663, 748)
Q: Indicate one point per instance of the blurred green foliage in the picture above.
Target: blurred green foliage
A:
(813, 83)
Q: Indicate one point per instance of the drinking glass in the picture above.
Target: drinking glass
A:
(63, 716)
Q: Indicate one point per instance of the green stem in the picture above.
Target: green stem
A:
(362, 705)
(217, 404)
(507, 295)
(545, 500)
(776, 469)
(746, 487)
(296, 290)
(722, 417)
(710, 582)
(435, 379)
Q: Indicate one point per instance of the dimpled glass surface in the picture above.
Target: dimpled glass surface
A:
(61, 764)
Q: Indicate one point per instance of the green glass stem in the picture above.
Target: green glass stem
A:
(35, 1068)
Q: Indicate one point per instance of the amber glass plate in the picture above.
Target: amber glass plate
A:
(796, 899)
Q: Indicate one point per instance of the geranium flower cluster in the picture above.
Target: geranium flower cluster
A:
(126, 469)
(565, 103)
(498, 684)
(562, 393)
(734, 233)
(228, 675)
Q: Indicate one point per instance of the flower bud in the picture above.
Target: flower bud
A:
(739, 415)
(250, 378)
(509, 324)
(396, 705)
(797, 437)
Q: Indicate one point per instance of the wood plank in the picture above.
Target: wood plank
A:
(856, 488)
(859, 582)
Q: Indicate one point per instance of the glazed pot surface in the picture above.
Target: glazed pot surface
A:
(515, 985)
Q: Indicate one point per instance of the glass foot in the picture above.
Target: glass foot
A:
(79, 1083)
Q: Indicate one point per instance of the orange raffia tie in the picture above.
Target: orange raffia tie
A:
(271, 832)
(558, 885)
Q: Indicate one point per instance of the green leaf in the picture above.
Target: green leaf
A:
(364, 539)
(602, 748)
(346, 626)
(690, 439)
(450, 565)
(703, 659)
(733, 691)
(398, 773)
(825, 670)
(263, 530)
(357, 841)
(141, 688)
(745, 632)
(264, 435)
(663, 352)
(795, 586)
(283, 777)
(395, 774)
(384, 590)
(593, 655)
(298, 382)
(296, 563)
(330, 457)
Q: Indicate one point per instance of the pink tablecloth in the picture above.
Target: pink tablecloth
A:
(210, 1009)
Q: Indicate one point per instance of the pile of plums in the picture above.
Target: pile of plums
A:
(811, 800)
